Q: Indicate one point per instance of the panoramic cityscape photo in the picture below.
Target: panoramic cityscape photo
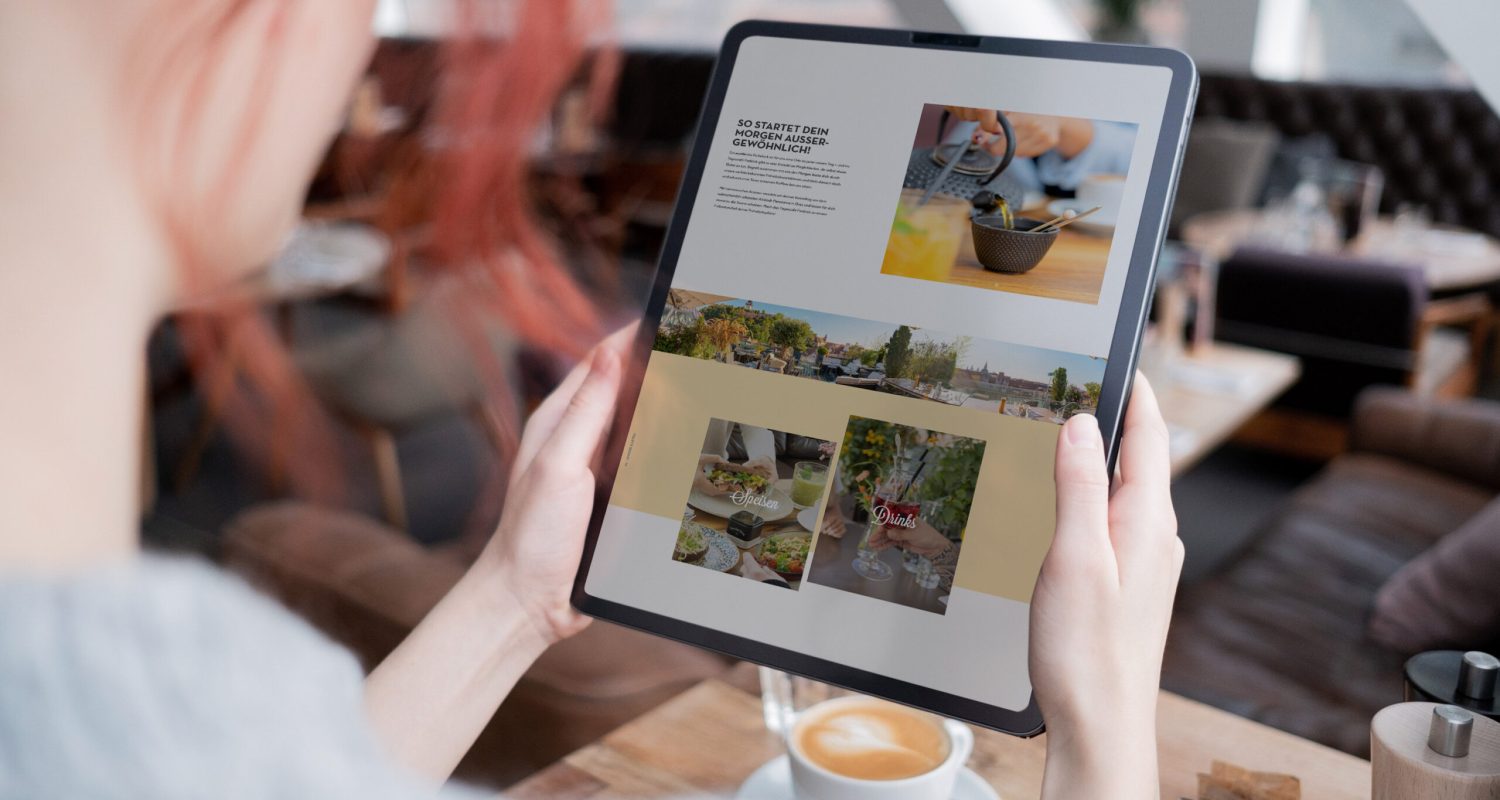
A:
(1029, 382)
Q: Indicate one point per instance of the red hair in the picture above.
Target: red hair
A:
(494, 93)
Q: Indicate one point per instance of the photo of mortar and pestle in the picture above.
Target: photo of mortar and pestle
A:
(949, 177)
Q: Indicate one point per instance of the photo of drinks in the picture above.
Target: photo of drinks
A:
(897, 514)
(1010, 201)
(1030, 383)
(754, 502)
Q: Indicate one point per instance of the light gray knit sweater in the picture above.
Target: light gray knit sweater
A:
(168, 679)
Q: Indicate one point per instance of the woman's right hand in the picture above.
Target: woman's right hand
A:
(922, 539)
(1102, 605)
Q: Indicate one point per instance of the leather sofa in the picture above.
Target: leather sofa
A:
(1280, 634)
(1438, 147)
(1359, 323)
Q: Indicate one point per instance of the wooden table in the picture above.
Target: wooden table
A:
(1473, 264)
(1208, 393)
(1218, 233)
(1072, 270)
(705, 742)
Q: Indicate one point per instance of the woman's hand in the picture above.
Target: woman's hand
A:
(534, 553)
(1035, 133)
(706, 462)
(764, 466)
(879, 538)
(1100, 611)
(833, 521)
(430, 698)
(922, 539)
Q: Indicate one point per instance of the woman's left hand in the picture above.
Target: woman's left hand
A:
(764, 466)
(536, 549)
(429, 699)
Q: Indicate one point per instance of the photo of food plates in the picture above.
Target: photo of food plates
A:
(704, 547)
(739, 490)
(754, 500)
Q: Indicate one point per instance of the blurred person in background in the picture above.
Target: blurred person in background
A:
(1054, 154)
(154, 151)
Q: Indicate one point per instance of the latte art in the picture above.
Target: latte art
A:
(873, 741)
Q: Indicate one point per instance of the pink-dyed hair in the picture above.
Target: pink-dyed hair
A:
(494, 94)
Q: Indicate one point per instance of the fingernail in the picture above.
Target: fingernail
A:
(605, 363)
(1082, 431)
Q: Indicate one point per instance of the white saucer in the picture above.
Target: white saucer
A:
(773, 781)
(1102, 223)
(808, 518)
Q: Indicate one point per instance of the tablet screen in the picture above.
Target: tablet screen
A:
(844, 440)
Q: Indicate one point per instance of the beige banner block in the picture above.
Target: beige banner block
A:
(1012, 518)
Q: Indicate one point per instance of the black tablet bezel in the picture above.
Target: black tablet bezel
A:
(1118, 376)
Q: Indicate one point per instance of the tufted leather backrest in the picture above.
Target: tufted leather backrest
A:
(1352, 321)
(1438, 147)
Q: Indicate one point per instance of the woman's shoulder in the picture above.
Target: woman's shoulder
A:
(165, 677)
(161, 607)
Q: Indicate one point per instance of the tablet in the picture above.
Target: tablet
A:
(862, 342)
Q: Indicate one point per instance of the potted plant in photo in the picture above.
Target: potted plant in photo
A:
(951, 474)
(724, 333)
(869, 452)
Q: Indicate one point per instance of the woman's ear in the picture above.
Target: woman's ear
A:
(245, 96)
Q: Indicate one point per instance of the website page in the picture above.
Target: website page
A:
(845, 434)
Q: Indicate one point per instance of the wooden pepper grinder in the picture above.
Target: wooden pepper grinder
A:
(1434, 752)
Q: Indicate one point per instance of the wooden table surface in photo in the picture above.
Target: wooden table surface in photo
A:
(833, 566)
(786, 525)
(1073, 269)
(707, 741)
(1206, 394)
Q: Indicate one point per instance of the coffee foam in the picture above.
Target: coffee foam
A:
(874, 742)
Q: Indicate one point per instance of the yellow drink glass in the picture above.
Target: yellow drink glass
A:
(925, 238)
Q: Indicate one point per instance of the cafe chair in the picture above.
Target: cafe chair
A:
(1223, 167)
(1433, 145)
(390, 375)
(1354, 323)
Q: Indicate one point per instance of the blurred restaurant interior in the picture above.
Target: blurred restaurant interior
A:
(1323, 341)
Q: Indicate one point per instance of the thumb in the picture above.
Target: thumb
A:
(1082, 486)
(590, 411)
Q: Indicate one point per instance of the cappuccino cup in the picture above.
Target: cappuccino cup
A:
(860, 748)
(1105, 191)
